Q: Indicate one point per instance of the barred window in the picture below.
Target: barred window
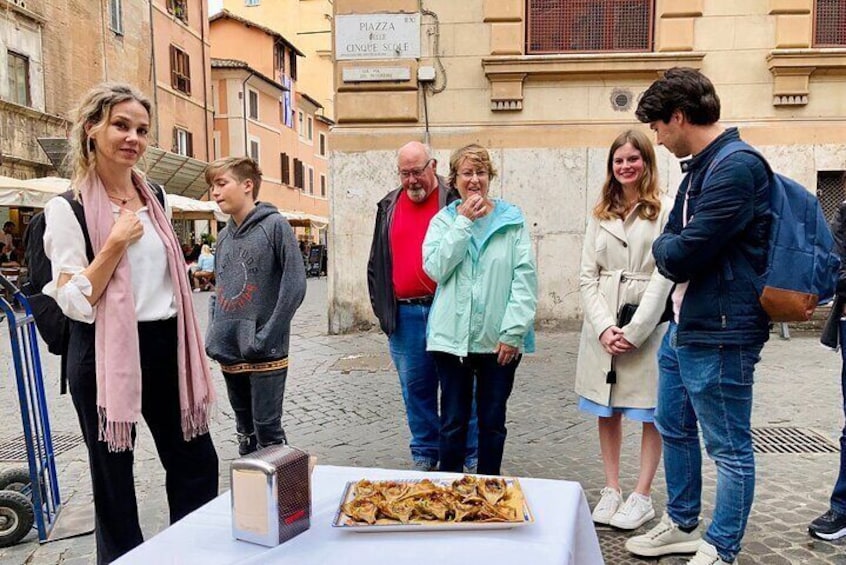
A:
(563, 26)
(831, 191)
(830, 23)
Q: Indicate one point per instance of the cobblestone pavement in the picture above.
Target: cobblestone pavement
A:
(343, 405)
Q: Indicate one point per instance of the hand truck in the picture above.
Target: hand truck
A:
(33, 497)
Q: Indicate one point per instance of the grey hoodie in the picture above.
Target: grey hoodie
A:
(260, 283)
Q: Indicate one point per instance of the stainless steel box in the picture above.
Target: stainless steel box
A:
(271, 495)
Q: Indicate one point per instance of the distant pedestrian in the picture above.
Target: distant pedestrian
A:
(203, 277)
(259, 284)
(617, 368)
(479, 251)
(714, 247)
(401, 295)
(9, 241)
(832, 524)
(135, 345)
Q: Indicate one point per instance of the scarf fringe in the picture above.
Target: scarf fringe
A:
(116, 435)
(195, 421)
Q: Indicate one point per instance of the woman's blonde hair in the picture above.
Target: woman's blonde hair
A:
(612, 202)
(205, 249)
(476, 154)
(94, 112)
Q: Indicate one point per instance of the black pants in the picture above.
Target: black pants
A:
(493, 385)
(256, 399)
(191, 467)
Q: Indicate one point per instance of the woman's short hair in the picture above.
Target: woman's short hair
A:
(475, 154)
(683, 89)
(205, 249)
(242, 168)
(612, 201)
(93, 112)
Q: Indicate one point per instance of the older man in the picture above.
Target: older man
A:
(401, 294)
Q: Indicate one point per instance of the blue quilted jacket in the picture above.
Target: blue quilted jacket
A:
(721, 250)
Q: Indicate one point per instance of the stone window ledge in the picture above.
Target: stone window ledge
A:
(507, 74)
(792, 70)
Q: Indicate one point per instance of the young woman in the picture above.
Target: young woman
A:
(617, 368)
(135, 346)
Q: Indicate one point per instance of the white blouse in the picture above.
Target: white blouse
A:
(64, 245)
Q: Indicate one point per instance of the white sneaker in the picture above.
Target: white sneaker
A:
(707, 555)
(664, 539)
(608, 504)
(634, 513)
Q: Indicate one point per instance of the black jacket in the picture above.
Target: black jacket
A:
(831, 335)
(380, 265)
(722, 250)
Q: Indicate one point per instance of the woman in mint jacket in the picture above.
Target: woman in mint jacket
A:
(479, 252)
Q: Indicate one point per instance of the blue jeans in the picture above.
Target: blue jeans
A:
(838, 495)
(492, 383)
(419, 381)
(711, 386)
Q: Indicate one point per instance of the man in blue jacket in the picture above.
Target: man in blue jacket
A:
(713, 247)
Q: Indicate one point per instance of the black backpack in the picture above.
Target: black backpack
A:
(52, 324)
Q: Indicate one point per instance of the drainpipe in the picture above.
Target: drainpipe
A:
(203, 22)
(153, 71)
(244, 100)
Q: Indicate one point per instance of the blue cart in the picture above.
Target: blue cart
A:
(33, 497)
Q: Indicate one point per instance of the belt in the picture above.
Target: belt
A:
(420, 300)
(261, 367)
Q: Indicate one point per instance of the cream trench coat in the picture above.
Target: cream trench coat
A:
(618, 268)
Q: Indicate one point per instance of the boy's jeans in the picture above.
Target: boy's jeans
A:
(711, 386)
(256, 399)
(838, 495)
(419, 381)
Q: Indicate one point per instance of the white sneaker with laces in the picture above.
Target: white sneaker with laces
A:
(609, 502)
(707, 555)
(634, 513)
(664, 539)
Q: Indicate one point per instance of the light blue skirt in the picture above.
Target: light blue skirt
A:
(635, 414)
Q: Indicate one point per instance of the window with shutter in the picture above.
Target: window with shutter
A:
(254, 104)
(18, 72)
(180, 70)
(286, 169)
(323, 186)
(178, 8)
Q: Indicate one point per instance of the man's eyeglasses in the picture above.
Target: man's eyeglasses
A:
(416, 173)
(468, 175)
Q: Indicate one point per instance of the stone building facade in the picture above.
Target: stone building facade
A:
(546, 85)
(262, 111)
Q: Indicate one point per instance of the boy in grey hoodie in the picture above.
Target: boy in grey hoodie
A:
(260, 283)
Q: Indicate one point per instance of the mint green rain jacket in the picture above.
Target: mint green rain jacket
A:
(484, 296)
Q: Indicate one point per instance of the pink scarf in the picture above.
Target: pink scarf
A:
(116, 329)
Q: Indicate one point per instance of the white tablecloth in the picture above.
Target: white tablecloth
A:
(563, 533)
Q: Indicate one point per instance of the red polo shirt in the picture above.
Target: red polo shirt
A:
(408, 229)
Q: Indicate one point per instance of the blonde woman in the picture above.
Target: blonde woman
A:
(135, 346)
(617, 367)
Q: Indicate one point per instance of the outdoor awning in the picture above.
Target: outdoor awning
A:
(32, 193)
(184, 208)
(301, 219)
(177, 173)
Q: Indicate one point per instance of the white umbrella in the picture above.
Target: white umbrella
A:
(33, 193)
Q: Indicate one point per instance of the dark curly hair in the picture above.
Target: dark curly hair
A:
(683, 89)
